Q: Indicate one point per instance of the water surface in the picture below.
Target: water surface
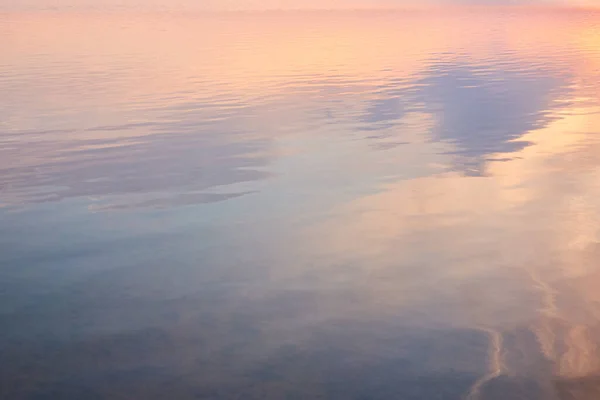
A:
(300, 205)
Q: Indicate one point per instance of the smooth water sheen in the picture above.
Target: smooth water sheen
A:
(300, 205)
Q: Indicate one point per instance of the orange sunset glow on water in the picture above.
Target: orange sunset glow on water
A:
(356, 204)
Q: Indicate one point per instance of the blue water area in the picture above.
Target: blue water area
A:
(361, 205)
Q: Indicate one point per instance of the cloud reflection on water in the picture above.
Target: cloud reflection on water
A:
(423, 206)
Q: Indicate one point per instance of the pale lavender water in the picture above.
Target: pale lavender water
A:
(300, 205)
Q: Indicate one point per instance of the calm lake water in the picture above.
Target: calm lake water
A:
(300, 205)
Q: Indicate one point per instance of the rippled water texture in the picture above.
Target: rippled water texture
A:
(309, 205)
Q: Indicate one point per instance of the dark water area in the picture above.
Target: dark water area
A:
(300, 205)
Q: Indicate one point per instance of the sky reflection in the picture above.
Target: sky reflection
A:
(346, 205)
